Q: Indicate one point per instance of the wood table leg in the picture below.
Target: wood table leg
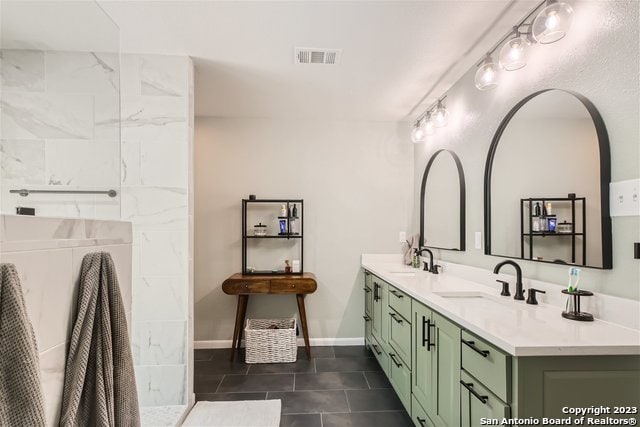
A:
(241, 311)
(303, 320)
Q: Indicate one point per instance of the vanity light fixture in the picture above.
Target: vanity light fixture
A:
(418, 133)
(553, 22)
(549, 25)
(513, 54)
(441, 115)
(487, 74)
(429, 126)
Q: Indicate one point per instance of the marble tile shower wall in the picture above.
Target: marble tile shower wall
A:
(156, 118)
(60, 129)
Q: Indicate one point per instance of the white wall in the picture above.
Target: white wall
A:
(356, 181)
(157, 131)
(48, 256)
(597, 59)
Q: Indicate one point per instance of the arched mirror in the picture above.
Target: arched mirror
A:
(442, 203)
(547, 183)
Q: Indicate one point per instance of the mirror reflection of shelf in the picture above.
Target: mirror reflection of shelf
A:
(533, 209)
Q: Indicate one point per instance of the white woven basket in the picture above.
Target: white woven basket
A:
(264, 345)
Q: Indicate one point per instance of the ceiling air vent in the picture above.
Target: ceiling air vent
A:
(307, 55)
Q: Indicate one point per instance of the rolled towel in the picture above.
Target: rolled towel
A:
(99, 383)
(21, 401)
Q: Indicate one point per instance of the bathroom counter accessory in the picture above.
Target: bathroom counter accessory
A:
(244, 285)
(576, 314)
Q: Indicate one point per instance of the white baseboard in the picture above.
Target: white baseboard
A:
(312, 341)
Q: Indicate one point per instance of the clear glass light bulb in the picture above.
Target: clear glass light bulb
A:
(553, 22)
(513, 54)
(441, 116)
(487, 75)
(417, 134)
(429, 127)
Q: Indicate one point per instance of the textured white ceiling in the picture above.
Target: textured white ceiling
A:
(395, 54)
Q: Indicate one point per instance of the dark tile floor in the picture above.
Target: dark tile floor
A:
(338, 387)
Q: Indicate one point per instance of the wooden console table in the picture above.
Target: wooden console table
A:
(244, 285)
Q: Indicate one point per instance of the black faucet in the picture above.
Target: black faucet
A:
(519, 290)
(432, 267)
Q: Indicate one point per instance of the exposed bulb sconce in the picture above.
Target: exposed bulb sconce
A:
(441, 116)
(429, 126)
(553, 22)
(550, 25)
(513, 54)
(487, 74)
(418, 133)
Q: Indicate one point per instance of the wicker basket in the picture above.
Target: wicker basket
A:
(264, 345)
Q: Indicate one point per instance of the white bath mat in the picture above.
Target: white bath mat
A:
(246, 413)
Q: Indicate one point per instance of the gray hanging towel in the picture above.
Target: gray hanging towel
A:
(99, 383)
(21, 402)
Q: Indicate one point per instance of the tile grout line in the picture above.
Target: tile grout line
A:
(220, 383)
(347, 398)
(367, 381)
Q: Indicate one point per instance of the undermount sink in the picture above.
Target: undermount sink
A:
(478, 299)
(403, 273)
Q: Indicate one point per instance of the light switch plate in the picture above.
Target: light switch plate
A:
(402, 237)
(478, 239)
(624, 198)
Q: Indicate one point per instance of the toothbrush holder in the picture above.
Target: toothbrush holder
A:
(576, 314)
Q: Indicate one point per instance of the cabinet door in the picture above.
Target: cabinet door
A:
(422, 372)
(376, 288)
(368, 295)
(445, 409)
(477, 402)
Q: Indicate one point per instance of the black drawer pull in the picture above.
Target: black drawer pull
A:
(366, 318)
(375, 348)
(367, 290)
(393, 316)
(396, 294)
(472, 346)
(376, 295)
(422, 421)
(393, 357)
(469, 386)
(429, 324)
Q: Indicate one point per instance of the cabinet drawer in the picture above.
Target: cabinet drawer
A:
(400, 336)
(381, 355)
(400, 378)
(419, 415)
(477, 402)
(400, 302)
(489, 365)
(245, 287)
(292, 286)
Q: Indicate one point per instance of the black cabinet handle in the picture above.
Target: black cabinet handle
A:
(375, 348)
(393, 357)
(396, 294)
(422, 421)
(366, 318)
(472, 346)
(367, 290)
(424, 338)
(469, 386)
(429, 325)
(376, 296)
(393, 316)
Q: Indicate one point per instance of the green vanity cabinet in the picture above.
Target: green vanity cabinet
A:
(379, 325)
(478, 402)
(368, 308)
(445, 404)
(436, 367)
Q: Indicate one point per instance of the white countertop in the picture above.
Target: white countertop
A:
(518, 328)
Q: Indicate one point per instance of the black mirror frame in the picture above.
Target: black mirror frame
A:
(463, 220)
(605, 177)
